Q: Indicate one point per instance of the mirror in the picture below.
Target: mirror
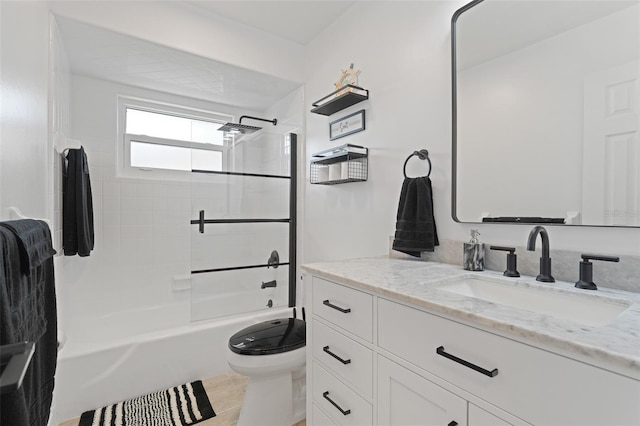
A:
(546, 112)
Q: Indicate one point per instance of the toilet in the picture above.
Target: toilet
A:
(273, 355)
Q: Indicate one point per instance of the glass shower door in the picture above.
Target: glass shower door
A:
(243, 229)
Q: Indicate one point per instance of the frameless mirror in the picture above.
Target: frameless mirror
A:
(546, 112)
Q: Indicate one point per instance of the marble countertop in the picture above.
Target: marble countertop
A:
(614, 346)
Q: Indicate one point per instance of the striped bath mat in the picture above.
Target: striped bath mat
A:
(180, 406)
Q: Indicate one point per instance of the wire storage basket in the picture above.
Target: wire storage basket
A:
(342, 164)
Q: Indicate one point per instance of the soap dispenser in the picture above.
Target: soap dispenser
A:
(473, 255)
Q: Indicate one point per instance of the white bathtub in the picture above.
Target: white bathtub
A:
(95, 372)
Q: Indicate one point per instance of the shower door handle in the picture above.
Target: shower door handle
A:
(201, 221)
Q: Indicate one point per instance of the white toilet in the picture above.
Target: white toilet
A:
(273, 355)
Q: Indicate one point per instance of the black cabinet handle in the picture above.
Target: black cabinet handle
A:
(490, 373)
(453, 423)
(344, 361)
(325, 395)
(337, 308)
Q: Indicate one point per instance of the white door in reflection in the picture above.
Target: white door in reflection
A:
(611, 156)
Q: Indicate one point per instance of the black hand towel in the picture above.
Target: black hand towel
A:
(77, 206)
(34, 242)
(415, 226)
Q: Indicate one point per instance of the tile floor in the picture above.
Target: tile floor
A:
(225, 392)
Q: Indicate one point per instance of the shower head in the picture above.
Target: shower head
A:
(239, 128)
(245, 128)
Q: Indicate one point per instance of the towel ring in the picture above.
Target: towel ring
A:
(423, 154)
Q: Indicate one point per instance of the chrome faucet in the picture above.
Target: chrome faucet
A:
(545, 260)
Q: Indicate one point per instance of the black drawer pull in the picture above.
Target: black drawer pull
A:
(453, 423)
(337, 308)
(344, 361)
(490, 373)
(325, 395)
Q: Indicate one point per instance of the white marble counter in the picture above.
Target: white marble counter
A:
(614, 346)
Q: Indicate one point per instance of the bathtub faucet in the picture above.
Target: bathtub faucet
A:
(268, 284)
(274, 260)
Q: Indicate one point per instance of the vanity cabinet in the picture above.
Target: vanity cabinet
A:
(374, 360)
(340, 355)
(405, 398)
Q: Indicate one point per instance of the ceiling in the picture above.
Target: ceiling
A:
(104, 54)
(296, 20)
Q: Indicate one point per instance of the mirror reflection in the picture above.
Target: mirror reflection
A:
(546, 112)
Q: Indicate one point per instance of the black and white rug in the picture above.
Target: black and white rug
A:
(180, 406)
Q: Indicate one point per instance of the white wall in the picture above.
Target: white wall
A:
(194, 30)
(59, 104)
(24, 143)
(403, 50)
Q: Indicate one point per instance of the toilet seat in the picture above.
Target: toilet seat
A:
(270, 337)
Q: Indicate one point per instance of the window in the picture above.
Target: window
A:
(169, 139)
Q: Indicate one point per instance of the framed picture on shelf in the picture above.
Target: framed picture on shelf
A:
(352, 123)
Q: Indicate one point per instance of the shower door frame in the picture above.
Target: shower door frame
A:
(293, 199)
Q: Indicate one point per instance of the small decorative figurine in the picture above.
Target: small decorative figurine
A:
(473, 255)
(348, 76)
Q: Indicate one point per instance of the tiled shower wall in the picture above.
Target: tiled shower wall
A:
(143, 236)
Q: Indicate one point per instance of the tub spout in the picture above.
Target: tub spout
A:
(268, 284)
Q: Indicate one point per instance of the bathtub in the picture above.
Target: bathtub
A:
(92, 373)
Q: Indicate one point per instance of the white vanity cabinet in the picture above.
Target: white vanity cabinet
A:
(373, 360)
(405, 398)
(339, 355)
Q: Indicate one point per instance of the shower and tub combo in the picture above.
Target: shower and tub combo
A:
(241, 289)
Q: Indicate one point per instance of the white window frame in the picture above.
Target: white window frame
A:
(124, 168)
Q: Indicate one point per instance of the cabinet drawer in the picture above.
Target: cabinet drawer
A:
(479, 417)
(533, 384)
(345, 307)
(318, 418)
(349, 360)
(341, 404)
(405, 398)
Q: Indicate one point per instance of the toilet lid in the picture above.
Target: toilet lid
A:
(270, 337)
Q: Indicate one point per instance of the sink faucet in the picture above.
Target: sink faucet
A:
(545, 260)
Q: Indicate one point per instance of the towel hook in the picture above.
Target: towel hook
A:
(423, 154)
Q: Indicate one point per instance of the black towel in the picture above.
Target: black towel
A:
(415, 226)
(34, 242)
(28, 313)
(77, 206)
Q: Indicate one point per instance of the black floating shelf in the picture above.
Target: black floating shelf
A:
(351, 96)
